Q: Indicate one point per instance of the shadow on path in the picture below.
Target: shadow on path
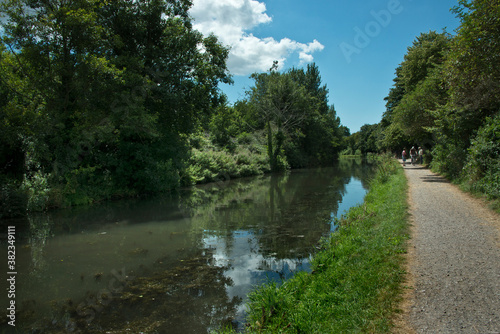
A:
(414, 167)
(434, 178)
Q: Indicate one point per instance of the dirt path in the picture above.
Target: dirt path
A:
(453, 260)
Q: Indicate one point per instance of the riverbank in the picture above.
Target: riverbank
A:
(357, 276)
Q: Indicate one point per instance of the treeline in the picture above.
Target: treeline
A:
(108, 99)
(446, 99)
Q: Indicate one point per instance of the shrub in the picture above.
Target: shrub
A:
(448, 158)
(38, 190)
(162, 176)
(244, 138)
(295, 156)
(83, 186)
(13, 200)
(209, 164)
(386, 167)
(482, 170)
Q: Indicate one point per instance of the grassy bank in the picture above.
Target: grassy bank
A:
(357, 275)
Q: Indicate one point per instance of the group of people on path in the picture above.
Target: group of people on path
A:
(413, 155)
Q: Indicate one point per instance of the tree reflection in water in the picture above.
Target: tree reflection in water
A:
(186, 261)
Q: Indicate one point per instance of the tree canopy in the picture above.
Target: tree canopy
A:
(109, 86)
(302, 129)
(102, 99)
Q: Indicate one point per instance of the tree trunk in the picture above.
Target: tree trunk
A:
(270, 153)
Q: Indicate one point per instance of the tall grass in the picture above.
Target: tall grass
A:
(357, 276)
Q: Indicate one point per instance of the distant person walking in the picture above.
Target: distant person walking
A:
(403, 156)
(421, 155)
(413, 155)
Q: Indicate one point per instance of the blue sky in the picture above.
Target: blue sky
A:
(357, 45)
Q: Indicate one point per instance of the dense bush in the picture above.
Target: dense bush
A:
(209, 163)
(13, 200)
(482, 171)
(103, 111)
(449, 158)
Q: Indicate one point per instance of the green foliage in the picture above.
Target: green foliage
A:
(13, 199)
(214, 165)
(482, 170)
(323, 138)
(302, 130)
(418, 90)
(474, 89)
(368, 138)
(209, 163)
(428, 51)
(280, 102)
(393, 139)
(415, 112)
(250, 120)
(386, 168)
(473, 74)
(224, 126)
(19, 117)
(100, 95)
(453, 131)
(38, 190)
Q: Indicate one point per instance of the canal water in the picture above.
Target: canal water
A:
(181, 263)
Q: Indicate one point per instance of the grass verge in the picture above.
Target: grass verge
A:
(357, 276)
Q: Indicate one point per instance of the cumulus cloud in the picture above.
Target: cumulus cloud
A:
(232, 20)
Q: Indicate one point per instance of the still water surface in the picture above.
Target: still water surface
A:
(181, 263)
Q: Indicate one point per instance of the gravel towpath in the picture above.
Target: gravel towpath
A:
(453, 260)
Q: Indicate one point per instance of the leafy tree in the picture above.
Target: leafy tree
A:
(416, 111)
(321, 137)
(482, 170)
(58, 47)
(352, 144)
(250, 119)
(310, 79)
(368, 137)
(473, 79)
(18, 118)
(302, 129)
(118, 85)
(427, 52)
(173, 72)
(395, 96)
(393, 139)
(280, 102)
(474, 74)
(225, 125)
(419, 89)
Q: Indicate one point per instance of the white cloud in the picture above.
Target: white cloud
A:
(232, 20)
